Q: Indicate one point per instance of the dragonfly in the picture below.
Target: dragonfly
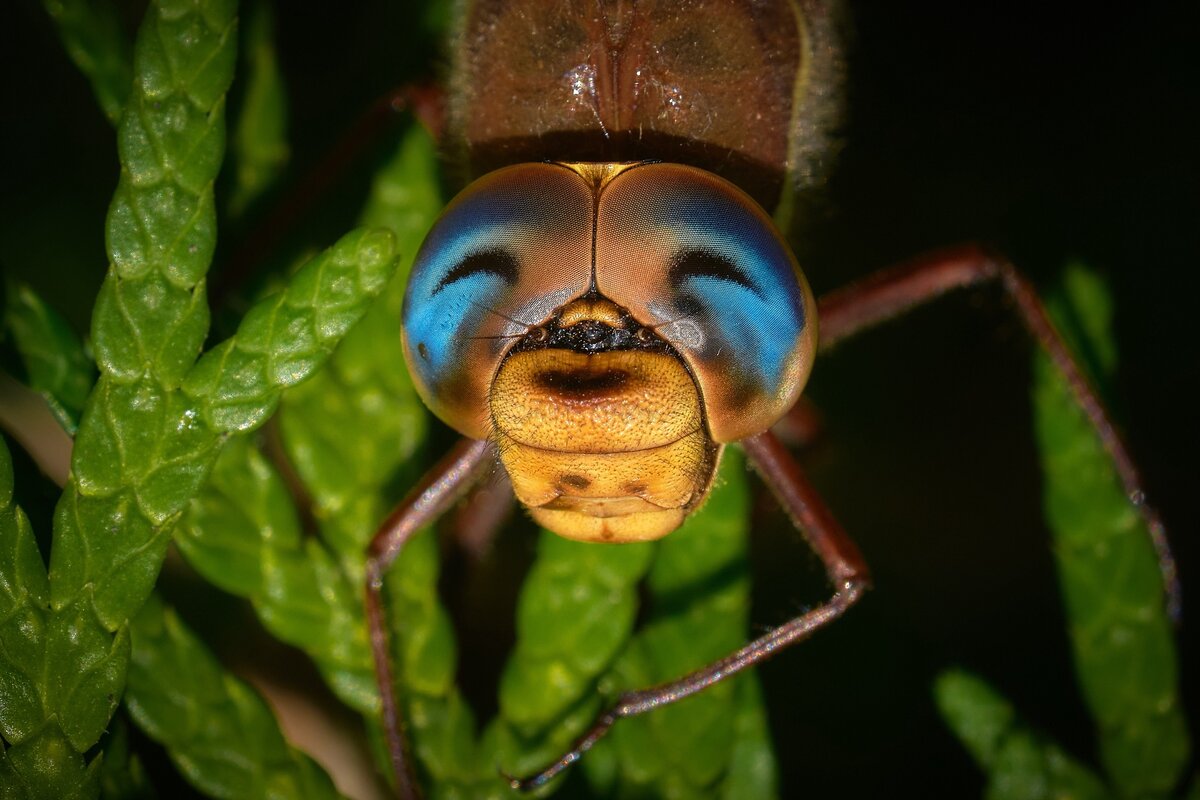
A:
(777, 184)
(607, 305)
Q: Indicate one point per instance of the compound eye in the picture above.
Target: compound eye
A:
(692, 256)
(511, 248)
(689, 264)
(498, 262)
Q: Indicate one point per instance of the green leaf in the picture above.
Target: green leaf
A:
(160, 447)
(152, 448)
(1020, 765)
(699, 594)
(351, 429)
(122, 773)
(24, 597)
(242, 534)
(440, 724)
(38, 759)
(154, 423)
(1112, 589)
(219, 733)
(283, 339)
(575, 614)
(1113, 592)
(349, 433)
(753, 771)
(91, 33)
(259, 146)
(53, 357)
(160, 236)
(150, 318)
(47, 767)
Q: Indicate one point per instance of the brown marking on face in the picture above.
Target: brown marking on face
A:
(582, 384)
(575, 481)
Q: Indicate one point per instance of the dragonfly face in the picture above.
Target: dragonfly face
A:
(610, 326)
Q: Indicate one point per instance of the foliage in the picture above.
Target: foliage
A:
(52, 357)
(221, 735)
(1113, 594)
(156, 417)
(166, 451)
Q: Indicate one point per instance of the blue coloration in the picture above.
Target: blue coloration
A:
(761, 325)
(443, 320)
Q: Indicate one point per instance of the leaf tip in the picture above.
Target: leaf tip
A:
(978, 715)
(376, 254)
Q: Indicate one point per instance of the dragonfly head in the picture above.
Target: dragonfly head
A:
(610, 326)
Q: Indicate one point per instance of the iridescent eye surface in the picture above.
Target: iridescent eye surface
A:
(510, 249)
(697, 261)
(688, 255)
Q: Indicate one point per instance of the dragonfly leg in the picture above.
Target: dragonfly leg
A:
(890, 292)
(843, 564)
(482, 514)
(445, 483)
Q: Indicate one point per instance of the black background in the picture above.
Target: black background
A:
(1053, 130)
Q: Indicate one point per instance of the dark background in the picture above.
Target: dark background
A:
(1052, 130)
(1057, 132)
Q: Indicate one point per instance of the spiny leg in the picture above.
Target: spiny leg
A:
(482, 514)
(890, 292)
(441, 486)
(843, 564)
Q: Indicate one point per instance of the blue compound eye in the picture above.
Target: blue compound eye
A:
(685, 253)
(691, 256)
(510, 249)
